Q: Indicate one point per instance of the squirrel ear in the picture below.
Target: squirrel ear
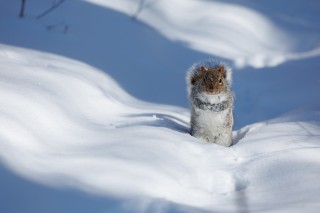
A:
(221, 69)
(203, 69)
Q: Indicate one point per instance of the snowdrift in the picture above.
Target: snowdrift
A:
(65, 123)
(73, 140)
(167, 37)
(233, 30)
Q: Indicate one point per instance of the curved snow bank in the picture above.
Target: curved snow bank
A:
(231, 31)
(65, 123)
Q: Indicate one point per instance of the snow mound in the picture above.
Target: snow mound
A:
(232, 30)
(64, 123)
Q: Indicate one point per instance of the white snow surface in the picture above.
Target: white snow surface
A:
(223, 28)
(64, 123)
(73, 140)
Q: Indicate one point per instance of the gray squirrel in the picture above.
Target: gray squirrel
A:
(212, 100)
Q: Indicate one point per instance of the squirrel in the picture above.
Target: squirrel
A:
(212, 100)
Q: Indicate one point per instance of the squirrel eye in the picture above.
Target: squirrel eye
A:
(220, 81)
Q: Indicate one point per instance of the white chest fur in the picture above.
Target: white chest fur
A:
(212, 99)
(209, 120)
(210, 125)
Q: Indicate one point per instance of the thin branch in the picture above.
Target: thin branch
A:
(63, 27)
(50, 9)
(139, 9)
(23, 4)
(143, 4)
(151, 3)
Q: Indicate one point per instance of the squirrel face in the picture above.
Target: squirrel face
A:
(213, 80)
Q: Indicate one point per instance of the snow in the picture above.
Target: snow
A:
(73, 139)
(220, 28)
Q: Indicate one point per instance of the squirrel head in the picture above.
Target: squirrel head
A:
(212, 79)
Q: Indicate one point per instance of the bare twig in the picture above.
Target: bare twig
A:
(23, 4)
(139, 9)
(50, 9)
(64, 27)
(143, 4)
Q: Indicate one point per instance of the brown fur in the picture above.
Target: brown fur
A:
(213, 79)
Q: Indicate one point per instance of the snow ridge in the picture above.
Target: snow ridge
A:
(228, 30)
(64, 123)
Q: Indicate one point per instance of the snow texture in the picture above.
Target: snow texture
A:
(73, 140)
(226, 29)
